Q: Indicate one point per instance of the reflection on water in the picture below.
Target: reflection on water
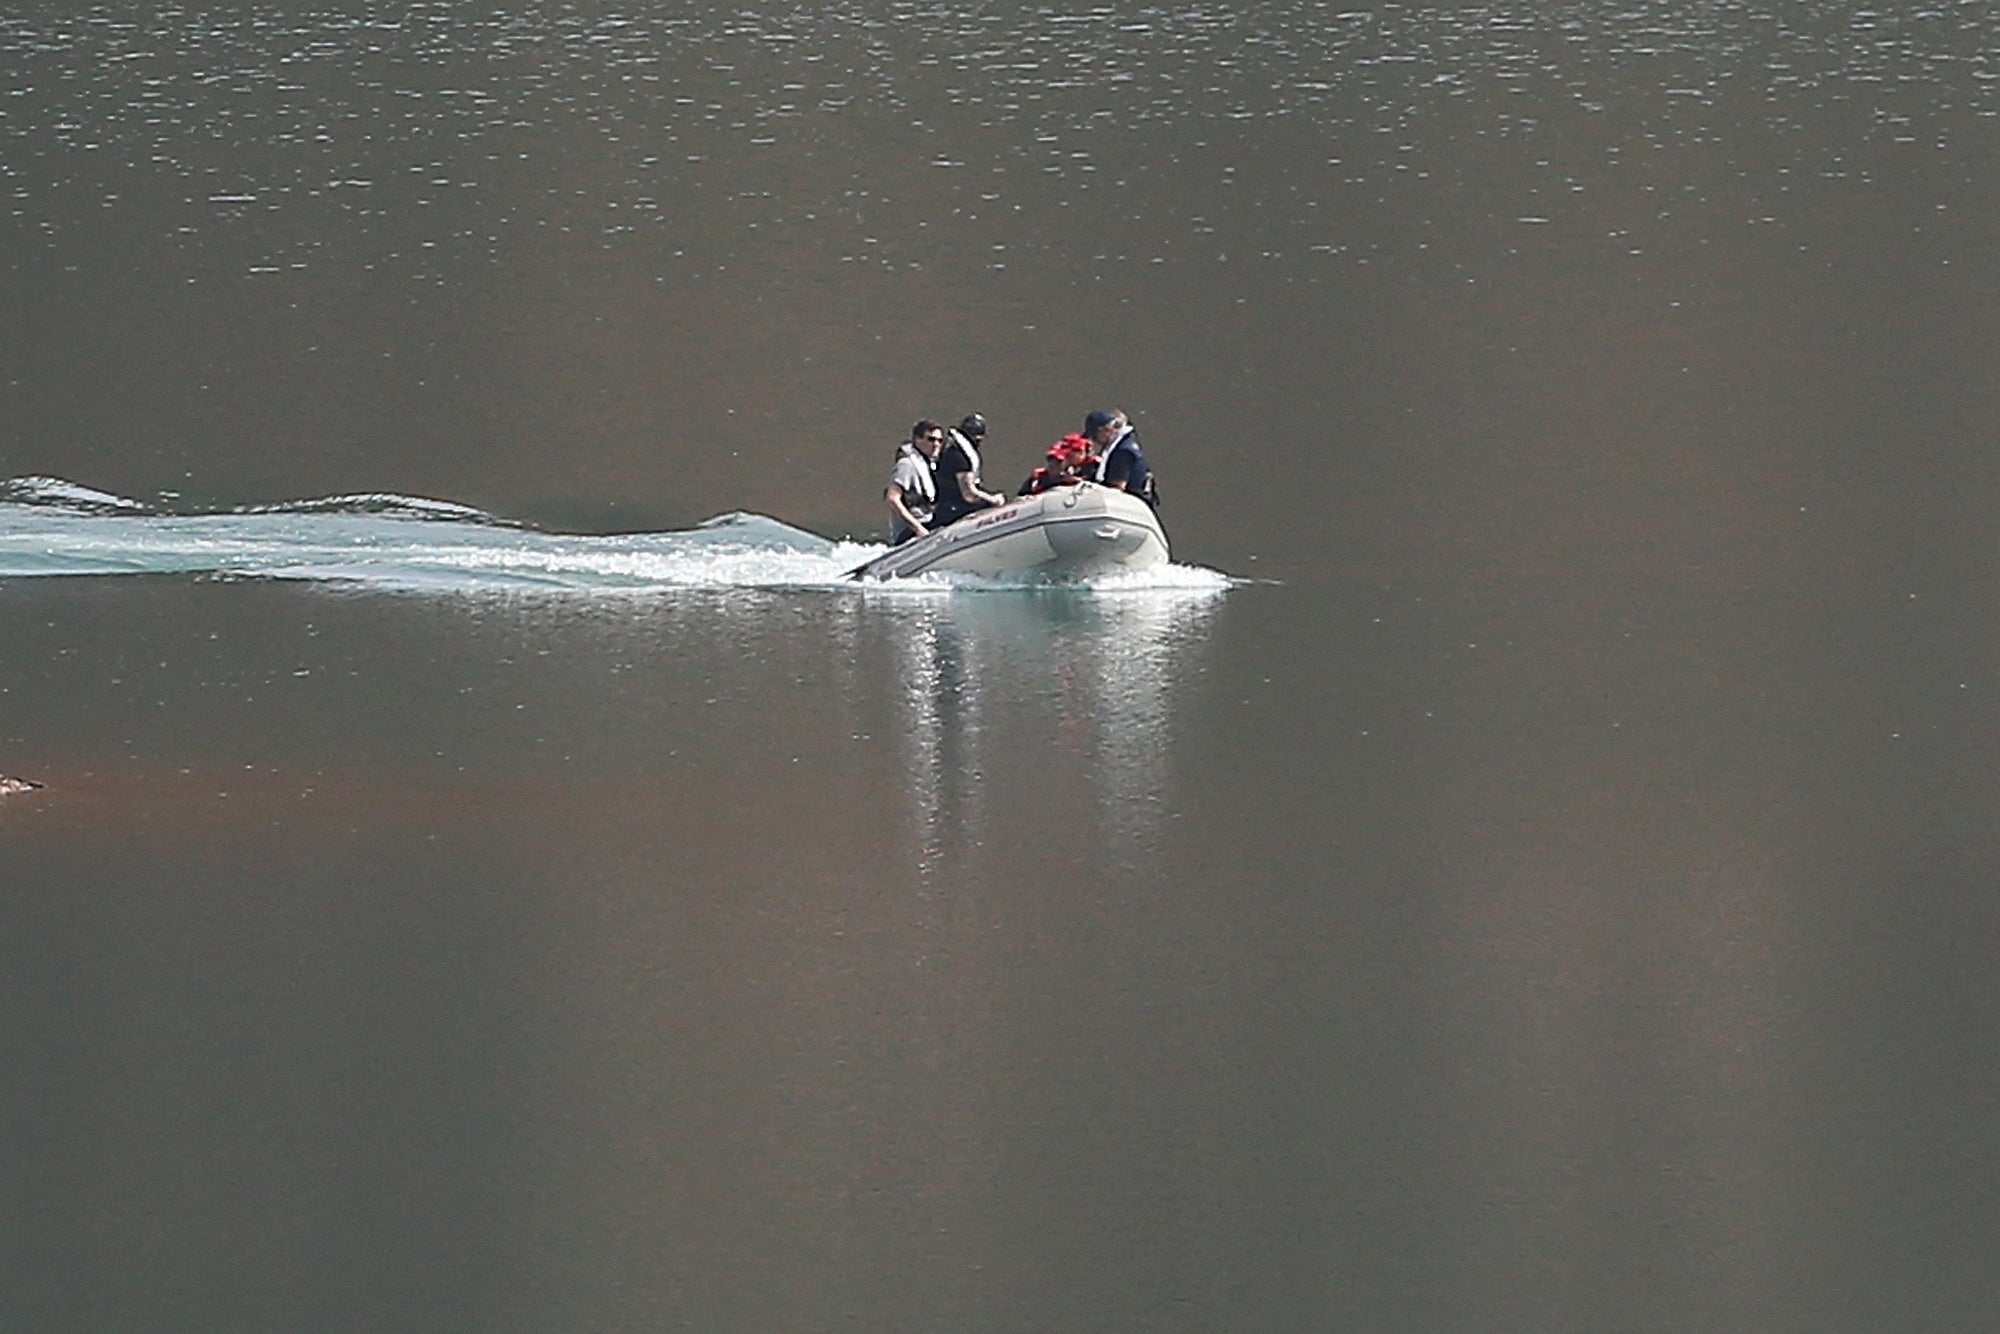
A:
(1081, 687)
(1617, 975)
(737, 958)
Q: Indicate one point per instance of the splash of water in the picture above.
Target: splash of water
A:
(52, 527)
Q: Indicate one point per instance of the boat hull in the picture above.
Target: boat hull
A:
(1071, 532)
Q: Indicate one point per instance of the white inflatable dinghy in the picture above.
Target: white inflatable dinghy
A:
(1067, 532)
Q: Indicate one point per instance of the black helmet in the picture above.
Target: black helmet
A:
(973, 426)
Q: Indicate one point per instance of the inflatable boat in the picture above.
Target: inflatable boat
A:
(1068, 532)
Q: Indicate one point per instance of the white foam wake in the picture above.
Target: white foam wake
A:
(52, 527)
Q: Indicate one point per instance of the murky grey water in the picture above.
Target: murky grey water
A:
(1562, 897)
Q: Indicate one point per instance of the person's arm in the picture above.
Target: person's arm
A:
(1118, 469)
(973, 495)
(897, 506)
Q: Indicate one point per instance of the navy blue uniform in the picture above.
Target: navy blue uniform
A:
(1125, 465)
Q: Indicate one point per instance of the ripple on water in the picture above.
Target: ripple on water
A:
(418, 138)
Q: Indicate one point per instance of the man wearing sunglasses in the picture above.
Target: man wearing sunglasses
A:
(912, 489)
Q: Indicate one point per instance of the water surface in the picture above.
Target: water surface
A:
(1527, 866)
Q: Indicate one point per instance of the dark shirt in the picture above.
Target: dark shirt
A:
(952, 463)
(1126, 466)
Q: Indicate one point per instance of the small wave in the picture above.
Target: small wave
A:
(383, 503)
(56, 494)
(742, 529)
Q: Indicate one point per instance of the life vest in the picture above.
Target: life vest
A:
(1069, 461)
(921, 496)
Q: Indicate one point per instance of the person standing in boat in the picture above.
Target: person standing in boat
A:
(959, 489)
(1122, 463)
(912, 490)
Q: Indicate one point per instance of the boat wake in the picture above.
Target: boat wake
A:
(52, 527)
